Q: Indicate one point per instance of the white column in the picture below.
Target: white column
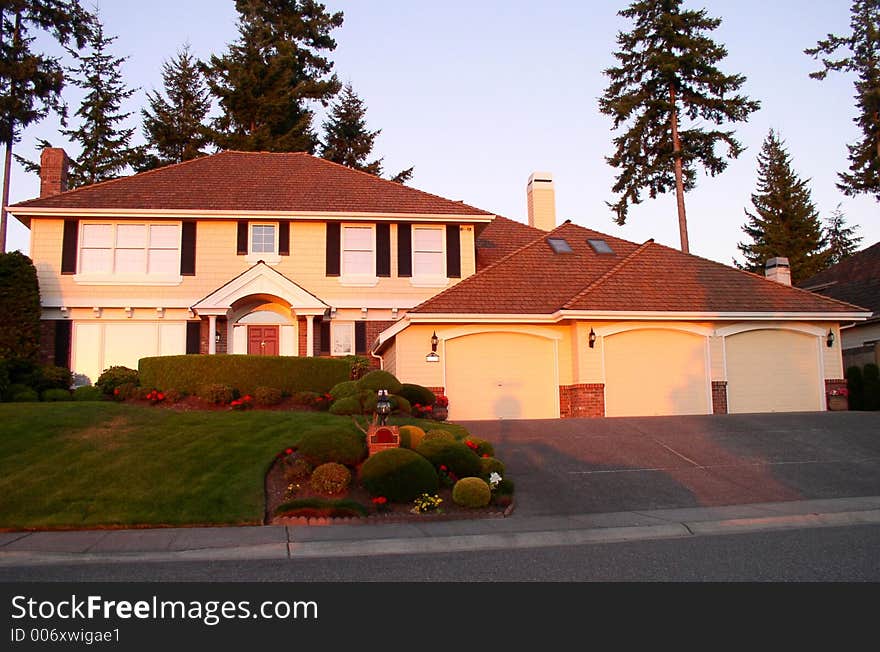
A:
(310, 335)
(212, 329)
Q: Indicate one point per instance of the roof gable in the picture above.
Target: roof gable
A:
(855, 279)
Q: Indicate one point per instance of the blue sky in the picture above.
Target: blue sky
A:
(477, 95)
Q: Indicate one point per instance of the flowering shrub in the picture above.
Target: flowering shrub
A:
(447, 477)
(843, 391)
(244, 403)
(421, 411)
(427, 503)
(155, 396)
(442, 401)
(381, 503)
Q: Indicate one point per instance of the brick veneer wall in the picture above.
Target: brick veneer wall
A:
(302, 335)
(584, 400)
(719, 397)
(834, 383)
(203, 336)
(373, 330)
(47, 342)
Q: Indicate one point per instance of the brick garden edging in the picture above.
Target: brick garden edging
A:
(375, 519)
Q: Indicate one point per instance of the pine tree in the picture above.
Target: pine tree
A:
(667, 73)
(175, 128)
(347, 140)
(105, 144)
(842, 239)
(785, 222)
(862, 49)
(264, 83)
(31, 82)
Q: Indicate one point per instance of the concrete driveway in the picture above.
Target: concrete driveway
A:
(578, 466)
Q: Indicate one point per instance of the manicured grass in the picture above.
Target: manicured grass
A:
(103, 464)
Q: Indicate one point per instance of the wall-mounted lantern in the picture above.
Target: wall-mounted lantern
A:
(591, 340)
(433, 356)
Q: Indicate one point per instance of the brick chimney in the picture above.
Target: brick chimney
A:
(53, 171)
(542, 201)
(777, 269)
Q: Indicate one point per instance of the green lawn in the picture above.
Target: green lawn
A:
(91, 464)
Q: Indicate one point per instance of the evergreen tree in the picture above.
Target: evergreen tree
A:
(667, 73)
(785, 221)
(842, 239)
(862, 58)
(31, 82)
(175, 127)
(105, 144)
(269, 75)
(347, 140)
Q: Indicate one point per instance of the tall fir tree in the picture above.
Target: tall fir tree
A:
(30, 81)
(667, 74)
(842, 239)
(270, 75)
(175, 126)
(105, 143)
(785, 222)
(861, 56)
(348, 141)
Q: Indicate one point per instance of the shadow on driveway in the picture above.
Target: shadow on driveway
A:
(577, 466)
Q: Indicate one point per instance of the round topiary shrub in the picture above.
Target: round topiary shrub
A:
(332, 444)
(479, 446)
(23, 395)
(471, 492)
(55, 395)
(87, 393)
(343, 389)
(437, 434)
(400, 405)
(379, 379)
(455, 456)
(116, 376)
(411, 436)
(267, 396)
(398, 474)
(347, 405)
(216, 393)
(491, 465)
(330, 479)
(417, 394)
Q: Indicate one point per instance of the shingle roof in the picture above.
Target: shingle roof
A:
(647, 277)
(855, 280)
(501, 237)
(256, 181)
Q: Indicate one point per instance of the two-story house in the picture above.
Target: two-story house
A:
(288, 254)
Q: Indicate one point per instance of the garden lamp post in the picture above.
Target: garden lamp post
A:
(383, 406)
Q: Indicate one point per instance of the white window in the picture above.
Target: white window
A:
(129, 250)
(359, 252)
(341, 338)
(264, 238)
(428, 255)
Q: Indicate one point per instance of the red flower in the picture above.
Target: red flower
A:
(235, 403)
(160, 396)
(471, 445)
(429, 408)
(288, 451)
(380, 500)
(247, 397)
(486, 455)
(115, 391)
(443, 467)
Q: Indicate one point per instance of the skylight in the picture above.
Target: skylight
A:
(600, 246)
(559, 245)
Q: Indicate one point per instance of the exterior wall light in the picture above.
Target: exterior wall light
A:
(217, 337)
(830, 339)
(592, 338)
(432, 356)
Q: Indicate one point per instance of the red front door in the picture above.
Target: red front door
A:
(262, 340)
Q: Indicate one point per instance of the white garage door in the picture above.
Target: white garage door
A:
(656, 372)
(502, 376)
(773, 371)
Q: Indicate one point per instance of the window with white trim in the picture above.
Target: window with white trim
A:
(264, 239)
(130, 249)
(428, 254)
(341, 338)
(359, 251)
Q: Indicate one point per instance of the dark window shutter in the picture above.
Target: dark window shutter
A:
(325, 337)
(62, 343)
(188, 249)
(193, 335)
(383, 249)
(333, 249)
(453, 251)
(241, 248)
(360, 337)
(284, 238)
(69, 246)
(404, 250)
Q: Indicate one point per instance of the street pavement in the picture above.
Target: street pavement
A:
(579, 481)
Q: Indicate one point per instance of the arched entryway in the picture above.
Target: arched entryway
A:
(263, 325)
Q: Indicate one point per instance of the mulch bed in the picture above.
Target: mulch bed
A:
(276, 493)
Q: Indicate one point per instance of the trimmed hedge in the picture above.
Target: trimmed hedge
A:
(398, 474)
(379, 379)
(471, 492)
(491, 465)
(245, 373)
(55, 395)
(333, 444)
(87, 393)
(411, 436)
(457, 457)
(417, 394)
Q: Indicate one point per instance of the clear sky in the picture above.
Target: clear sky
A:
(478, 94)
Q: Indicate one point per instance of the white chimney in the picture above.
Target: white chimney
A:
(542, 201)
(777, 269)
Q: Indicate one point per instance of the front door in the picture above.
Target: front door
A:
(262, 340)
